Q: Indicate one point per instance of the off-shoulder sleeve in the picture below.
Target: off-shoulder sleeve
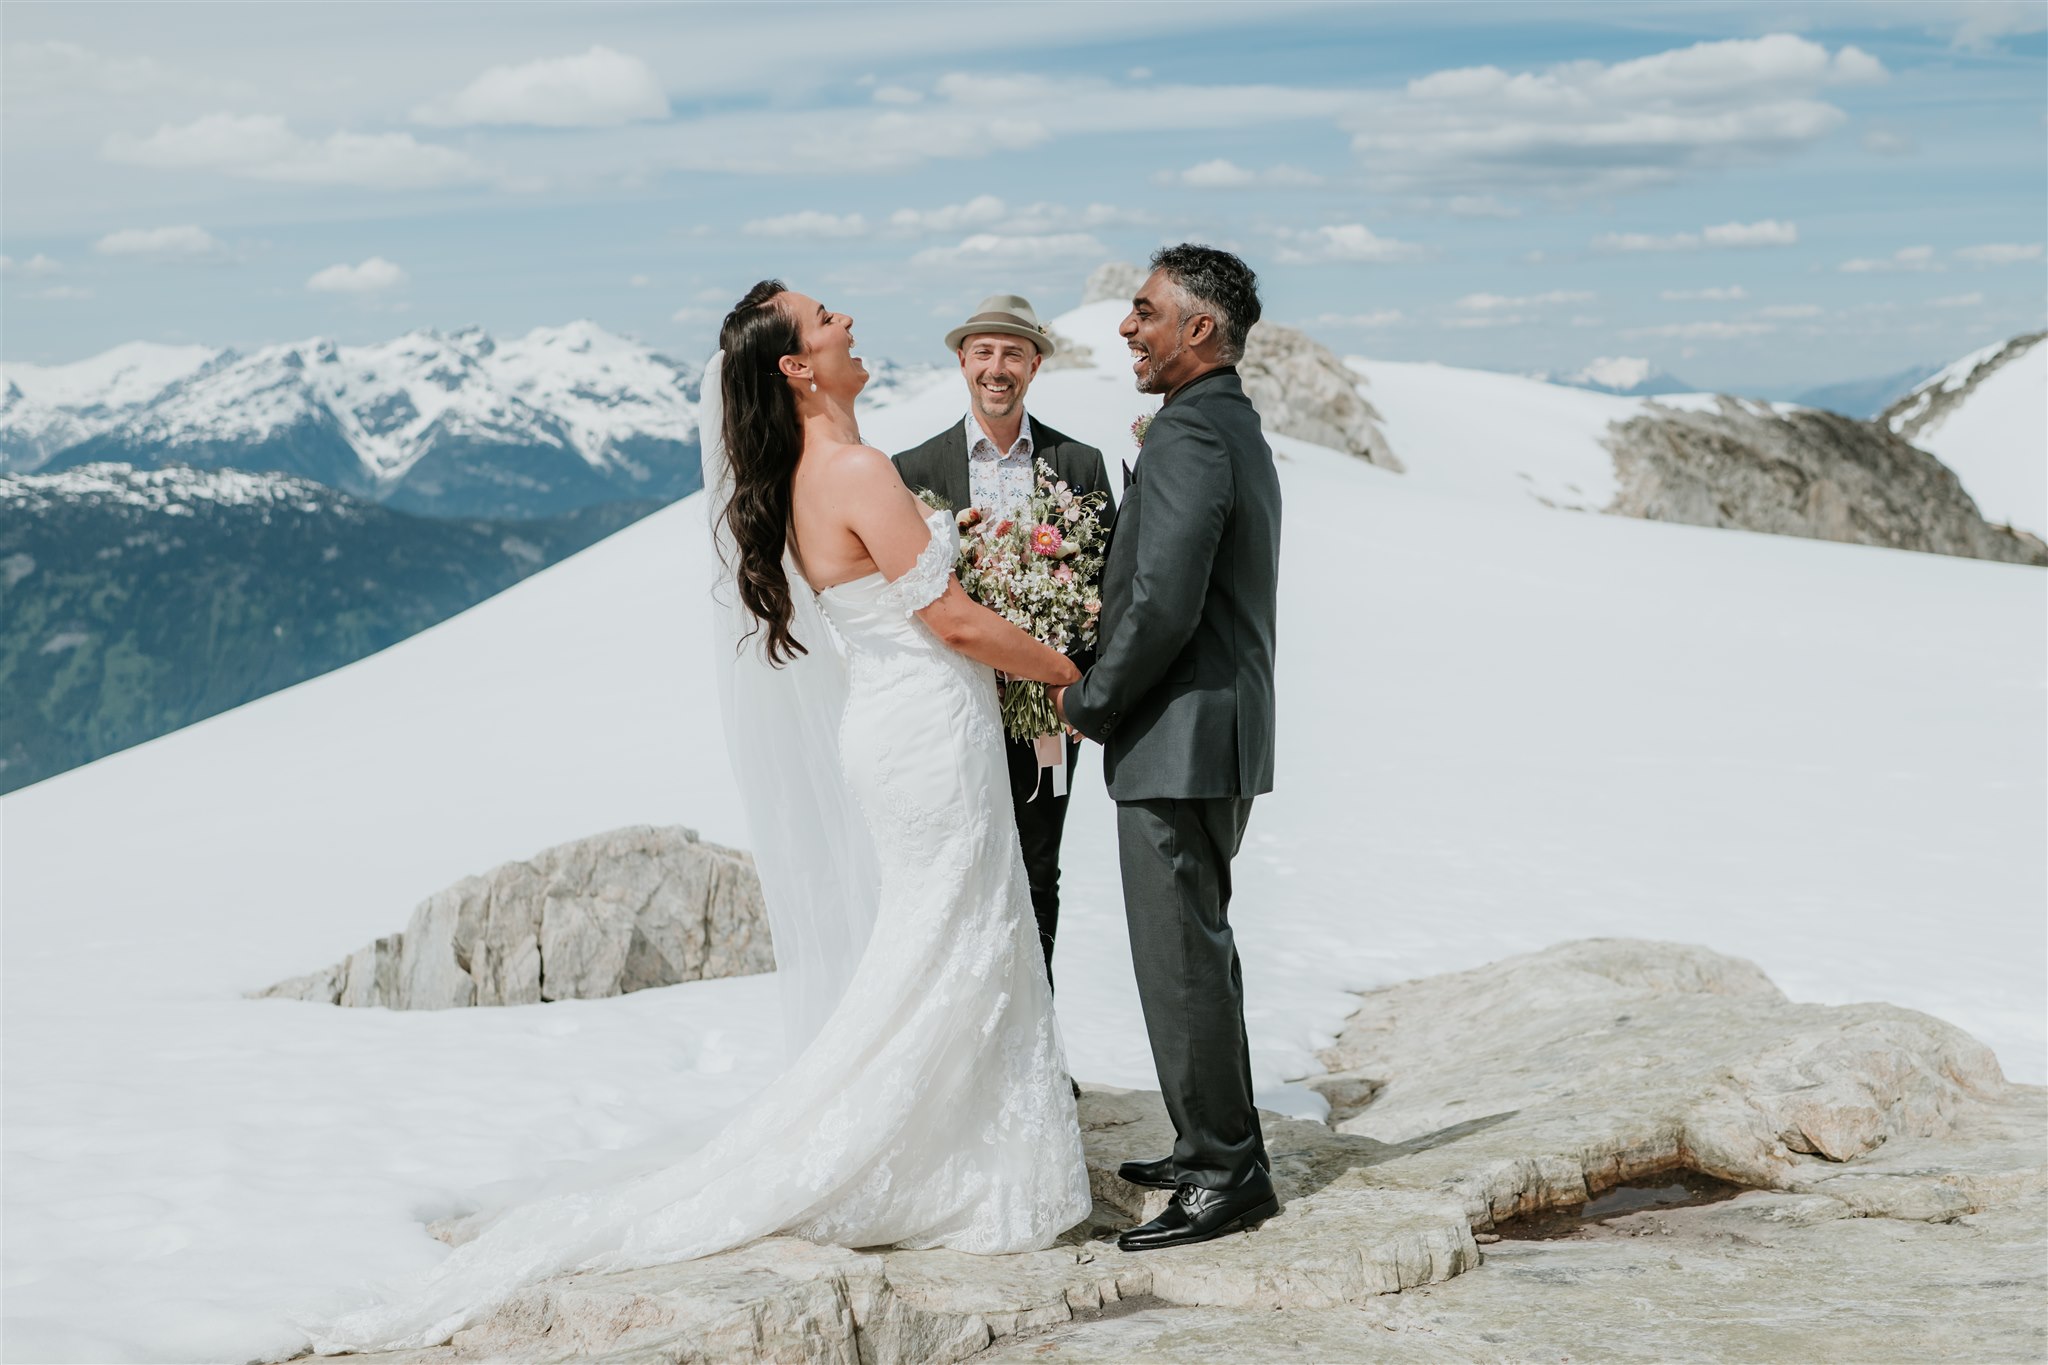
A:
(924, 582)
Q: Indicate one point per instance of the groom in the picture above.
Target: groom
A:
(1181, 699)
(989, 461)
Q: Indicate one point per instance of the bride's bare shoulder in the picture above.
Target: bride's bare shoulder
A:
(856, 465)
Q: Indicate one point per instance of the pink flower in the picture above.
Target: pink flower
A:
(1046, 538)
(968, 516)
(1003, 527)
(1091, 606)
(1063, 574)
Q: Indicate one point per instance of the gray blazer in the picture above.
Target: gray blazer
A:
(940, 464)
(1181, 694)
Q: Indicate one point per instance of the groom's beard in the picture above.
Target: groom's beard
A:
(1148, 374)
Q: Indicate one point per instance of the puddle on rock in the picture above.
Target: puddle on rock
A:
(1666, 1190)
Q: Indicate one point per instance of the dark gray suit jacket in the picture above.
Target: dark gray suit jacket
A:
(940, 464)
(1181, 694)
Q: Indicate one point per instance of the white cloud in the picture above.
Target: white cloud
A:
(263, 147)
(1493, 303)
(1583, 126)
(992, 248)
(371, 277)
(595, 89)
(185, 242)
(897, 94)
(72, 69)
(64, 293)
(1221, 174)
(808, 223)
(1764, 232)
(1969, 300)
(1712, 294)
(1343, 242)
(1381, 317)
(1489, 320)
(979, 211)
(1999, 253)
(987, 211)
(37, 266)
(1707, 331)
(640, 281)
(1885, 142)
(1905, 259)
(1643, 241)
(694, 315)
(1982, 23)
(1790, 310)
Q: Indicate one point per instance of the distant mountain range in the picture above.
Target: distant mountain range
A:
(457, 425)
(1865, 398)
(139, 601)
(1629, 376)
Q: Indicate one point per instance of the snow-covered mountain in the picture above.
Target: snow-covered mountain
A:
(1986, 417)
(1866, 398)
(1630, 375)
(1500, 727)
(457, 424)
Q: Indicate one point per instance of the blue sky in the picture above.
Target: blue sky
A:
(1756, 197)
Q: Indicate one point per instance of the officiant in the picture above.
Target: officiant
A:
(988, 460)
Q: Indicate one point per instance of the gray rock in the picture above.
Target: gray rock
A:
(1113, 280)
(618, 912)
(1903, 1215)
(1801, 473)
(1303, 390)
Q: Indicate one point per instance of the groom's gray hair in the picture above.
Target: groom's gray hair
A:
(1217, 283)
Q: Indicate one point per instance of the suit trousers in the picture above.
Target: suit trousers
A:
(1041, 821)
(1175, 855)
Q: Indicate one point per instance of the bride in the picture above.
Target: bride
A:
(928, 1104)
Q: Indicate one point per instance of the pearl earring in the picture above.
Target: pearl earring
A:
(814, 386)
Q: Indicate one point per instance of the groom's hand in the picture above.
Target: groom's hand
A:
(1059, 708)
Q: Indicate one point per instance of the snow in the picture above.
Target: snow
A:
(1501, 728)
(161, 490)
(129, 374)
(1996, 437)
(1474, 434)
(1614, 372)
(576, 386)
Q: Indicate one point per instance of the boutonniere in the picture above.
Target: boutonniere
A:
(1140, 427)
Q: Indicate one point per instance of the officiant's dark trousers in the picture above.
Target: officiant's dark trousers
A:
(1040, 823)
(1176, 857)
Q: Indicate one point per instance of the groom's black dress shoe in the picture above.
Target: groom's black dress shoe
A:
(1153, 1175)
(1197, 1214)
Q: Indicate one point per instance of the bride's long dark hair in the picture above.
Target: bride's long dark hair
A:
(763, 439)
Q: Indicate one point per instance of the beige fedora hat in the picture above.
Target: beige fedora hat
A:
(1008, 314)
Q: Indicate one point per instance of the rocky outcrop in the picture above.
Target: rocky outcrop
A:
(1903, 1187)
(1112, 280)
(1303, 390)
(617, 912)
(1801, 472)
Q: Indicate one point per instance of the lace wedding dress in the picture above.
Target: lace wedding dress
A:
(932, 1108)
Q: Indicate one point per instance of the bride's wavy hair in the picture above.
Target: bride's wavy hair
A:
(763, 440)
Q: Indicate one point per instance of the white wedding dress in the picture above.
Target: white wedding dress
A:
(932, 1106)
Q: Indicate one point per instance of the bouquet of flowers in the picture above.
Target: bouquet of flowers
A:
(1041, 571)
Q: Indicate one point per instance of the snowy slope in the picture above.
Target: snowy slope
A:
(1986, 417)
(1500, 728)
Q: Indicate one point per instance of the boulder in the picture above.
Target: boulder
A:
(1800, 472)
(1900, 1210)
(617, 912)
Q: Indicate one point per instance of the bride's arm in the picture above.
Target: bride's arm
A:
(890, 523)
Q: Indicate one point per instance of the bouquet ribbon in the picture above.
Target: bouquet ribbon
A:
(1052, 756)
